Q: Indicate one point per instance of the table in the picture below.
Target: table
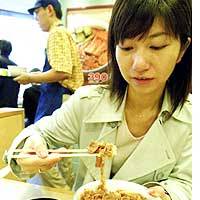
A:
(16, 190)
(11, 124)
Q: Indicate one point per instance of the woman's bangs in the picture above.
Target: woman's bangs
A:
(134, 28)
(132, 23)
(137, 22)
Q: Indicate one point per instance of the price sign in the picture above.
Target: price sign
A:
(98, 77)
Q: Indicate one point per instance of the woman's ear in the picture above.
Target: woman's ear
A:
(183, 49)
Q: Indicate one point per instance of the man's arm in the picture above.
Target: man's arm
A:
(42, 77)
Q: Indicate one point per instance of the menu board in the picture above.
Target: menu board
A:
(89, 28)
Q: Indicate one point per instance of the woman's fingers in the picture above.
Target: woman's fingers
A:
(40, 169)
(41, 159)
(34, 164)
(158, 191)
(37, 161)
(41, 150)
(37, 144)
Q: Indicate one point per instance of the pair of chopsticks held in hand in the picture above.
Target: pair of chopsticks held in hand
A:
(62, 153)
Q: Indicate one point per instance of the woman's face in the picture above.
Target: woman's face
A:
(146, 64)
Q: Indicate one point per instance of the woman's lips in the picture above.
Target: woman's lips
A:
(142, 81)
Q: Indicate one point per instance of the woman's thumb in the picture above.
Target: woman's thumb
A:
(41, 150)
(37, 143)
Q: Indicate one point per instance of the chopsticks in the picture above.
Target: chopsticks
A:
(61, 153)
(53, 150)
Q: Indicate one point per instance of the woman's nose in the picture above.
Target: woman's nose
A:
(139, 63)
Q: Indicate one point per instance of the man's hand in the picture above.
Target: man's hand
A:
(24, 78)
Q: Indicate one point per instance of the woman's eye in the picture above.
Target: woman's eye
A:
(158, 47)
(126, 48)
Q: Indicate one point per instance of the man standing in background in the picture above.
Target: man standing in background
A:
(62, 73)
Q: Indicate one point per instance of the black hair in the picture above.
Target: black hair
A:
(131, 18)
(35, 70)
(5, 48)
(58, 11)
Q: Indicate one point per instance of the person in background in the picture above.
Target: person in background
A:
(146, 111)
(30, 100)
(62, 72)
(9, 89)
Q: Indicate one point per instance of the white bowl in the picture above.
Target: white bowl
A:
(16, 70)
(113, 185)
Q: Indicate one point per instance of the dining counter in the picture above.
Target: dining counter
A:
(16, 190)
(11, 124)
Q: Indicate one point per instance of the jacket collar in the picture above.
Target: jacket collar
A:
(105, 110)
(144, 155)
(181, 114)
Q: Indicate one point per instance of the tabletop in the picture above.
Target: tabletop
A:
(25, 191)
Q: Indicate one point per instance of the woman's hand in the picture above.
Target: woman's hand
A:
(158, 191)
(40, 163)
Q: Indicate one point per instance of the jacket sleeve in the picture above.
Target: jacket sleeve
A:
(179, 184)
(60, 129)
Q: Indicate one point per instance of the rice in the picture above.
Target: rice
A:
(105, 195)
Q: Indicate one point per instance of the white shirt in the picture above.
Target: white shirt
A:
(125, 142)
